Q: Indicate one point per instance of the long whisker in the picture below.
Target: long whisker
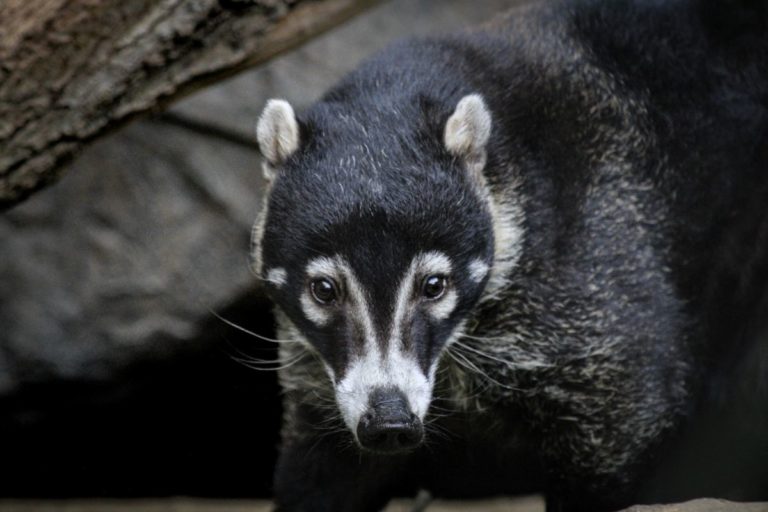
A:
(483, 354)
(474, 368)
(486, 338)
(254, 363)
(246, 331)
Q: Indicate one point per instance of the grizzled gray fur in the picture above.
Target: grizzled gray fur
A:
(531, 257)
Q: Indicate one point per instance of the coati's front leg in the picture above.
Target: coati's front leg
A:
(328, 473)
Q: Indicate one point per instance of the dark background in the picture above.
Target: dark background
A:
(197, 423)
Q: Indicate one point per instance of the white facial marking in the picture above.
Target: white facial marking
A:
(277, 276)
(373, 370)
(358, 301)
(316, 268)
(444, 306)
(313, 310)
(431, 263)
(422, 265)
(396, 368)
(322, 267)
(478, 269)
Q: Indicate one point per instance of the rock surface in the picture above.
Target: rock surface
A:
(126, 256)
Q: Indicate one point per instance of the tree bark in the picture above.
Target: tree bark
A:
(71, 70)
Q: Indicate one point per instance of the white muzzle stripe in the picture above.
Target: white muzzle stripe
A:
(396, 367)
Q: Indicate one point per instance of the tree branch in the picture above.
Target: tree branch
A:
(71, 70)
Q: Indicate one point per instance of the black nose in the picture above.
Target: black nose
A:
(389, 426)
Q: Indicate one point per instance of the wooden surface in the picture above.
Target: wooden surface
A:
(71, 70)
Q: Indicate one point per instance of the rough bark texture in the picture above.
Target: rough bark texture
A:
(72, 69)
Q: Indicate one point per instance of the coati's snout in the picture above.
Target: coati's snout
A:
(389, 426)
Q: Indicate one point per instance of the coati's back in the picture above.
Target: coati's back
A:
(547, 236)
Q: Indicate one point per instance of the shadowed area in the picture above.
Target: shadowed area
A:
(197, 423)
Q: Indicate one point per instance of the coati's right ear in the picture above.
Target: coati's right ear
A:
(467, 132)
(277, 132)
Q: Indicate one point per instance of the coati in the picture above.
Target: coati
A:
(530, 257)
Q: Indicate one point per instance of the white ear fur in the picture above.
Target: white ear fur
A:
(277, 133)
(468, 130)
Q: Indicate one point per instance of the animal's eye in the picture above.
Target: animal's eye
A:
(434, 286)
(323, 290)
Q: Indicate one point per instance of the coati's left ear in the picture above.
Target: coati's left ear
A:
(468, 130)
(277, 132)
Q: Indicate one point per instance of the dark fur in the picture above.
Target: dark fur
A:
(638, 134)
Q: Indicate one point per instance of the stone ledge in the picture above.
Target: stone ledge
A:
(526, 504)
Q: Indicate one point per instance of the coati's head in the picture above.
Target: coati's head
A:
(378, 237)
